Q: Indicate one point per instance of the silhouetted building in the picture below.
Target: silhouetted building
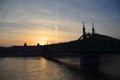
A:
(25, 44)
(38, 44)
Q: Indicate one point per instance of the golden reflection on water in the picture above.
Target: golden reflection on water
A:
(43, 67)
(43, 62)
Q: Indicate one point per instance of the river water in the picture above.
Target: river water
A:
(32, 68)
(38, 68)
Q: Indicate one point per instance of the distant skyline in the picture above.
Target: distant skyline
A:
(51, 21)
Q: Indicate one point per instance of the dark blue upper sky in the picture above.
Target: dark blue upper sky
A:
(41, 21)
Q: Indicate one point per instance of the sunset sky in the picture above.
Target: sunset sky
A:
(51, 21)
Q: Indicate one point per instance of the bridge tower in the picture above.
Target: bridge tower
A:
(93, 30)
(84, 33)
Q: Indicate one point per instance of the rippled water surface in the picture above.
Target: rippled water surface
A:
(34, 69)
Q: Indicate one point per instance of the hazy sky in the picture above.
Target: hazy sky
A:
(49, 21)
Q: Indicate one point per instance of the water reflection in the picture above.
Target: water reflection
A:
(42, 69)
(34, 69)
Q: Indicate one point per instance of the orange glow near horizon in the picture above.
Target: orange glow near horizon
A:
(34, 41)
(42, 40)
(33, 36)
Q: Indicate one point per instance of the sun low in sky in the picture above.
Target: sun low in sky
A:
(53, 21)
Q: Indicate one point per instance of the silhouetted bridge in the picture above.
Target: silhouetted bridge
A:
(87, 58)
(88, 49)
(75, 53)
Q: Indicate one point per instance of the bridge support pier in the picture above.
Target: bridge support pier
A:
(89, 61)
